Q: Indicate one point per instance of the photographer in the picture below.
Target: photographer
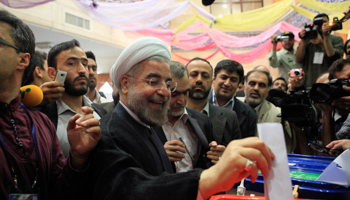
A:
(318, 49)
(284, 59)
(333, 120)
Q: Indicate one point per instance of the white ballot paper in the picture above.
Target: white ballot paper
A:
(338, 172)
(278, 185)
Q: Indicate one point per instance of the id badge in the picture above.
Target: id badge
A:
(318, 57)
(23, 197)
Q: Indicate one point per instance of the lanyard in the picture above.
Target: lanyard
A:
(10, 166)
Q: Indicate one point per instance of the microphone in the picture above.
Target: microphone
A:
(32, 95)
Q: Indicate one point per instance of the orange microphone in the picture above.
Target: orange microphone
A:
(32, 95)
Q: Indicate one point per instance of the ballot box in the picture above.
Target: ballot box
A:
(237, 197)
(304, 170)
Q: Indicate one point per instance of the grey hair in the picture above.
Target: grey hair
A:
(178, 70)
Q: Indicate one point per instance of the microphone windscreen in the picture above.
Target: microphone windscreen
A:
(32, 95)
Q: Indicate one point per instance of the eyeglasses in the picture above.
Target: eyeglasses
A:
(322, 149)
(8, 44)
(158, 83)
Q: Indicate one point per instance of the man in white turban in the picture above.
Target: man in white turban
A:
(130, 161)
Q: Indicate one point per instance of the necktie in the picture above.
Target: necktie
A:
(161, 151)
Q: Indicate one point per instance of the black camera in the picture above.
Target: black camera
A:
(326, 93)
(282, 38)
(310, 32)
(336, 24)
(296, 107)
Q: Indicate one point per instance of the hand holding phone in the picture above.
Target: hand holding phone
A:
(60, 76)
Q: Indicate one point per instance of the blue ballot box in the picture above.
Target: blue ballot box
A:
(304, 170)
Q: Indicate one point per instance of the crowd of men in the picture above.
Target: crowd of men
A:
(173, 130)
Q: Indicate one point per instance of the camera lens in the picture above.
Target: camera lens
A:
(321, 93)
(297, 73)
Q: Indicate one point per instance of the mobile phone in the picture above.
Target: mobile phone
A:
(60, 76)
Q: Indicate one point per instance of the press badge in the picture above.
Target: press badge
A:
(23, 197)
(318, 57)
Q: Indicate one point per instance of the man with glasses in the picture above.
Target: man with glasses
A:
(32, 162)
(187, 133)
(130, 161)
(69, 57)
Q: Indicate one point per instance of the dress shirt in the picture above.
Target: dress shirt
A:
(181, 128)
(64, 114)
(284, 60)
(206, 109)
(99, 99)
(230, 104)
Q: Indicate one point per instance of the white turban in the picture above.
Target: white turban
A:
(136, 52)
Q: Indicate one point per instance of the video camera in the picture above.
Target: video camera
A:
(282, 38)
(311, 30)
(299, 106)
(326, 93)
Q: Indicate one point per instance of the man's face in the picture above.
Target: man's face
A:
(348, 48)
(148, 97)
(75, 63)
(325, 20)
(279, 84)
(9, 58)
(226, 84)
(92, 67)
(256, 89)
(288, 45)
(200, 79)
(179, 97)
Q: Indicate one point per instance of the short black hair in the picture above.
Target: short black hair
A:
(202, 59)
(321, 15)
(230, 66)
(337, 66)
(57, 49)
(269, 78)
(37, 60)
(21, 34)
(279, 78)
(91, 55)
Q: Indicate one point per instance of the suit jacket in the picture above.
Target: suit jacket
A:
(246, 116)
(225, 124)
(201, 126)
(123, 166)
(51, 111)
(270, 113)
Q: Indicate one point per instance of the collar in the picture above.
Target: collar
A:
(62, 107)
(183, 118)
(97, 97)
(206, 108)
(284, 51)
(258, 108)
(133, 115)
(14, 104)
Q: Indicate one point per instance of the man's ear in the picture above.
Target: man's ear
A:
(24, 61)
(51, 72)
(37, 72)
(125, 84)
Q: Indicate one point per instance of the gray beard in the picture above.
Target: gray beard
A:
(139, 105)
(254, 102)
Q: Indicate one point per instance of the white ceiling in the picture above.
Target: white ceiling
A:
(105, 54)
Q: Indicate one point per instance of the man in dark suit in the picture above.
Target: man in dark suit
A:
(186, 134)
(227, 75)
(128, 163)
(225, 122)
(69, 57)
